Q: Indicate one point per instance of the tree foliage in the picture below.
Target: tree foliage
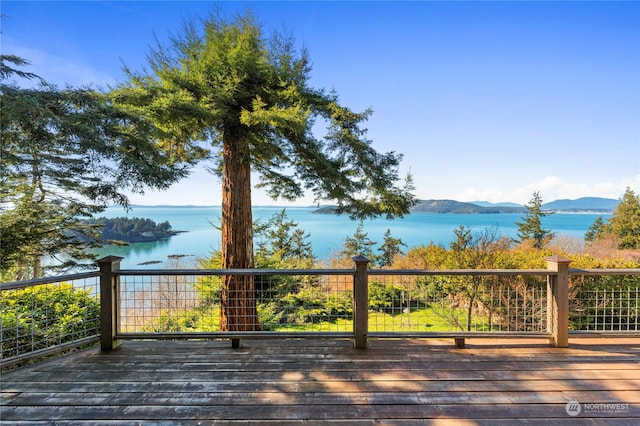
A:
(625, 221)
(389, 249)
(596, 230)
(249, 96)
(227, 80)
(65, 155)
(358, 244)
(46, 315)
(7, 70)
(623, 225)
(282, 242)
(282, 299)
(531, 226)
(130, 230)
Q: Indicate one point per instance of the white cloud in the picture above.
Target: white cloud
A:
(551, 188)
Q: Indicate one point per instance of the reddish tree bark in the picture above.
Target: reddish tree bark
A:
(238, 302)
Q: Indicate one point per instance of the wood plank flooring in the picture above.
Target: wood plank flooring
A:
(394, 382)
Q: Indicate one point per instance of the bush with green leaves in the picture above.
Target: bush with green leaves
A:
(604, 303)
(385, 297)
(46, 315)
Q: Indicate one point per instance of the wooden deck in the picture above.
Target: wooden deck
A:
(327, 381)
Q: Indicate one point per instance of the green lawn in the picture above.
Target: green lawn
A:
(424, 319)
(418, 320)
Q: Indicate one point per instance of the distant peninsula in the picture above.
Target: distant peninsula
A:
(581, 205)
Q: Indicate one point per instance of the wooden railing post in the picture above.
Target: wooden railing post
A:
(109, 301)
(558, 301)
(361, 302)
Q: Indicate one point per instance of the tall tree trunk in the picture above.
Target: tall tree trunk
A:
(238, 302)
(37, 266)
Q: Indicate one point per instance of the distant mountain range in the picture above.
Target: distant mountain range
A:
(488, 204)
(451, 206)
(581, 205)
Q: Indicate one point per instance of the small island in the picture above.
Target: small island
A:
(132, 230)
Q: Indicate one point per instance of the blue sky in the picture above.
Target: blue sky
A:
(486, 100)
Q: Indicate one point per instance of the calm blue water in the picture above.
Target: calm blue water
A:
(327, 232)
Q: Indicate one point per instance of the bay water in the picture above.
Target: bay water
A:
(327, 232)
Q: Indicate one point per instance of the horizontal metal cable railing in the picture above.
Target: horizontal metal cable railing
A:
(48, 315)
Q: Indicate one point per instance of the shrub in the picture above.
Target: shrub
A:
(384, 297)
(45, 315)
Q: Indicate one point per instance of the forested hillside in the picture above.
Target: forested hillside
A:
(132, 230)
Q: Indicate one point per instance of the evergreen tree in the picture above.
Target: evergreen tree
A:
(463, 240)
(123, 230)
(531, 226)
(389, 249)
(65, 155)
(285, 243)
(8, 71)
(358, 244)
(596, 231)
(249, 96)
(625, 221)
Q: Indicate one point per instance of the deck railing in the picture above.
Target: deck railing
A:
(48, 315)
(357, 303)
(360, 303)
